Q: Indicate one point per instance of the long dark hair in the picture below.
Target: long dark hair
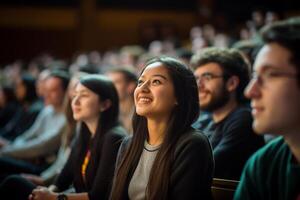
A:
(182, 116)
(106, 90)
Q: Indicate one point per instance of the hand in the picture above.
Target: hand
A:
(42, 193)
(37, 180)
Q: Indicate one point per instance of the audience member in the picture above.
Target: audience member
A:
(91, 164)
(8, 104)
(125, 82)
(69, 134)
(222, 75)
(26, 114)
(273, 172)
(42, 139)
(165, 158)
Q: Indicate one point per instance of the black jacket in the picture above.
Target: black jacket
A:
(100, 170)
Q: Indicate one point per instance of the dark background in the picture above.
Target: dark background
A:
(64, 27)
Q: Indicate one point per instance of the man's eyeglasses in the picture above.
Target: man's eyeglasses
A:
(265, 77)
(206, 77)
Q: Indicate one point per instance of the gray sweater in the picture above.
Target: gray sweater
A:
(139, 181)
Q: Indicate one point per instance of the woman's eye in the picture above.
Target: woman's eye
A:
(140, 82)
(156, 82)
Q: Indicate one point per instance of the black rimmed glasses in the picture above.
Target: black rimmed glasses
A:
(206, 77)
(268, 75)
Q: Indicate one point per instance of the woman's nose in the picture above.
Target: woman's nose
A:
(75, 100)
(145, 86)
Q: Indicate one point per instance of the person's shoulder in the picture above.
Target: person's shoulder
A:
(193, 139)
(239, 118)
(270, 152)
(273, 147)
(47, 109)
(194, 135)
(36, 106)
(125, 145)
(116, 132)
(241, 112)
(126, 142)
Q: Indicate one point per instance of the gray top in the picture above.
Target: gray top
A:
(41, 139)
(139, 181)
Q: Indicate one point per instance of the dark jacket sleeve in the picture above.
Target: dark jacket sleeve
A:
(192, 170)
(104, 175)
(66, 177)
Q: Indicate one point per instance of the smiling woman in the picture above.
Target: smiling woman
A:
(165, 158)
(154, 95)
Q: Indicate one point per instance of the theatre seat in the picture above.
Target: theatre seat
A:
(223, 189)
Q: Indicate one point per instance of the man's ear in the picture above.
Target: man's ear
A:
(232, 83)
(104, 105)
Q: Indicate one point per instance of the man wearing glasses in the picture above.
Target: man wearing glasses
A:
(273, 172)
(222, 75)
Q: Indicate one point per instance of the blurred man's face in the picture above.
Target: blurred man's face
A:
(121, 84)
(274, 92)
(54, 93)
(211, 87)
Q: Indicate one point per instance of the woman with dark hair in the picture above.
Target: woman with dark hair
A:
(91, 164)
(165, 158)
(92, 160)
(26, 114)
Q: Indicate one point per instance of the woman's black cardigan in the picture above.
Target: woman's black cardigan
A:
(100, 170)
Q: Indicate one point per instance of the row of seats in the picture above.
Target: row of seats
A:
(223, 189)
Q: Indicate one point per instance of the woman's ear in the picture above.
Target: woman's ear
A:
(232, 83)
(105, 105)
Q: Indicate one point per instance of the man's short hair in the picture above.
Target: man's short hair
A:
(231, 61)
(129, 75)
(287, 34)
(64, 76)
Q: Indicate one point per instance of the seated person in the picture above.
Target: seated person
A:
(30, 107)
(165, 158)
(222, 75)
(273, 172)
(91, 164)
(8, 104)
(42, 139)
(125, 82)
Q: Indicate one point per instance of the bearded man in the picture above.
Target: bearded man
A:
(222, 75)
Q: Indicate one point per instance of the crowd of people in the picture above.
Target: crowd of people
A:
(157, 124)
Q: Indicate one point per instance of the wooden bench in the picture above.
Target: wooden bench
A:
(223, 189)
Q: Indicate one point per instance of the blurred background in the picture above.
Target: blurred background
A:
(66, 28)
